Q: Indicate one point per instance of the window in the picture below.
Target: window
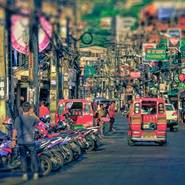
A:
(87, 108)
(149, 107)
(75, 108)
(75, 105)
(169, 107)
(61, 109)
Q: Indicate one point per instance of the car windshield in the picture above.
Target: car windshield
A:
(169, 108)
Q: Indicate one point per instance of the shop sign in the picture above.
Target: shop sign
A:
(162, 88)
(147, 46)
(156, 55)
(174, 38)
(165, 13)
(182, 86)
(135, 74)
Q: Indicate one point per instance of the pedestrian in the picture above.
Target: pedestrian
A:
(112, 112)
(101, 113)
(43, 110)
(23, 135)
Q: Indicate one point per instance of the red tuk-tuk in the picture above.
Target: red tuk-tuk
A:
(81, 111)
(147, 121)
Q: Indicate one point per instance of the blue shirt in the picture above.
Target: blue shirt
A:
(25, 129)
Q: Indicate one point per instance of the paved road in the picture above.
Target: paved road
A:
(118, 164)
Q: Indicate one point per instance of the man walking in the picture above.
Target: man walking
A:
(24, 131)
(112, 112)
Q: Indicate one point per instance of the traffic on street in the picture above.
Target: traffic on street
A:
(116, 162)
(92, 92)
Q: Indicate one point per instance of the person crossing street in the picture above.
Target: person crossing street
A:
(112, 112)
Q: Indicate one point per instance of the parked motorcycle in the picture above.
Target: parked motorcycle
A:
(10, 159)
(48, 146)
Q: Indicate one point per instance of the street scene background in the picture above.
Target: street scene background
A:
(69, 57)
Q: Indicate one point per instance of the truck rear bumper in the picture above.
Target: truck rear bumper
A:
(148, 139)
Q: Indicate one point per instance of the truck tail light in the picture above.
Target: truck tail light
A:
(161, 108)
(137, 108)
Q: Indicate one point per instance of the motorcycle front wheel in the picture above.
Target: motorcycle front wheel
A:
(57, 160)
(45, 165)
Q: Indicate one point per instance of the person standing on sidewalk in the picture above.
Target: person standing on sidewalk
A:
(112, 112)
(43, 110)
(23, 134)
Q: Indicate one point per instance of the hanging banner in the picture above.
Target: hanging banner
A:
(174, 38)
(20, 33)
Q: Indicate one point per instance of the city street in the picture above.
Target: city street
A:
(116, 163)
(67, 67)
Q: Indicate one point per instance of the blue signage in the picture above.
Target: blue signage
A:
(166, 13)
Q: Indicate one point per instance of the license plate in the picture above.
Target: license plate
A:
(149, 135)
(146, 126)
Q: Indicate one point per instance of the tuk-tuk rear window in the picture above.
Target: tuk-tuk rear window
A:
(76, 105)
(149, 107)
(75, 108)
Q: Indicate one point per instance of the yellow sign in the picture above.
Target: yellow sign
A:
(31, 66)
(162, 88)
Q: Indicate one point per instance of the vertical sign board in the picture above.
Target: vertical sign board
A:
(53, 87)
(31, 66)
(174, 38)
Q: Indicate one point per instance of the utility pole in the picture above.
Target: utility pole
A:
(76, 45)
(34, 51)
(2, 69)
(9, 61)
(68, 41)
(57, 62)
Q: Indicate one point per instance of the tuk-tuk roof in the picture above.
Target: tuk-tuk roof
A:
(149, 99)
(73, 100)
